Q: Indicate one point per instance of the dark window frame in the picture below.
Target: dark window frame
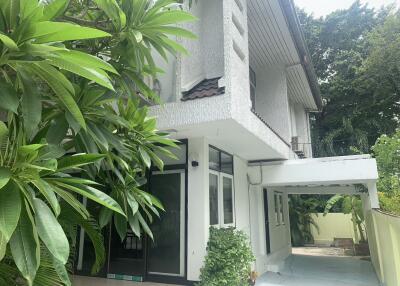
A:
(220, 152)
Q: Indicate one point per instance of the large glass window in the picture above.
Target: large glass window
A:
(214, 199)
(227, 186)
(221, 188)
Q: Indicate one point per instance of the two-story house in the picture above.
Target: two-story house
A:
(240, 103)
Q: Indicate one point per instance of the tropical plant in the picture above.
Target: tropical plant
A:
(386, 153)
(71, 73)
(301, 210)
(350, 205)
(228, 259)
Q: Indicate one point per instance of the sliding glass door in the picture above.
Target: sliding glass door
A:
(166, 253)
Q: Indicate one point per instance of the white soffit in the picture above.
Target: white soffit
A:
(298, 89)
(271, 44)
(270, 41)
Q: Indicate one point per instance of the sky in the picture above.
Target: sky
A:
(324, 7)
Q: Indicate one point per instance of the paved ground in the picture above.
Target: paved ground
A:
(89, 281)
(308, 270)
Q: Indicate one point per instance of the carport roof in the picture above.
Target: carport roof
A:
(345, 171)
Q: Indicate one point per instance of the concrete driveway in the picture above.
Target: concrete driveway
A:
(303, 270)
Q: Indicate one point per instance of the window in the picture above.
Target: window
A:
(253, 85)
(221, 189)
(220, 161)
(214, 214)
(278, 202)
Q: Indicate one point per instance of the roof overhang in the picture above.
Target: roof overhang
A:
(276, 38)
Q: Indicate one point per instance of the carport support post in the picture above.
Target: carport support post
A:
(373, 195)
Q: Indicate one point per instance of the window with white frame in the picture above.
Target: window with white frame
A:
(221, 188)
(278, 206)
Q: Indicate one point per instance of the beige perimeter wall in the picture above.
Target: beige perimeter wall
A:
(384, 242)
(331, 226)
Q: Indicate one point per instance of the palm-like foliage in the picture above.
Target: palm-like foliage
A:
(70, 73)
(300, 213)
(349, 205)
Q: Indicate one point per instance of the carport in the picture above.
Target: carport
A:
(352, 175)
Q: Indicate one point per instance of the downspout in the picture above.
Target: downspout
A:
(250, 184)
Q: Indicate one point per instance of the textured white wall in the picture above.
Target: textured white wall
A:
(272, 99)
(241, 195)
(206, 54)
(168, 78)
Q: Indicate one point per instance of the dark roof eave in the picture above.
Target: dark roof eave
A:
(292, 20)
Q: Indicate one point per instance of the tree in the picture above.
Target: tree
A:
(340, 45)
(72, 73)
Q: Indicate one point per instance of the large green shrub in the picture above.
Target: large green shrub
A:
(387, 155)
(228, 259)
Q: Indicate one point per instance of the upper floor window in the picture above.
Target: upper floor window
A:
(221, 188)
(253, 85)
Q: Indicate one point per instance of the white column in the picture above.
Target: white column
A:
(198, 208)
(373, 195)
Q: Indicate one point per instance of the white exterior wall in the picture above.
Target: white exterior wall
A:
(206, 54)
(198, 207)
(272, 99)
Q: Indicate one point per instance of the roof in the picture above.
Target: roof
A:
(206, 88)
(289, 11)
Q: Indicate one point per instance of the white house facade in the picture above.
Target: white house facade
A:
(240, 104)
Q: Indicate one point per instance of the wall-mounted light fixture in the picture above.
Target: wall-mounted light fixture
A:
(195, 164)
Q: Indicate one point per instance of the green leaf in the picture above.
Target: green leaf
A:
(57, 130)
(120, 225)
(113, 11)
(170, 17)
(46, 32)
(134, 224)
(48, 192)
(9, 98)
(93, 194)
(61, 271)
(29, 149)
(145, 226)
(3, 133)
(8, 42)
(5, 175)
(53, 8)
(10, 209)
(31, 104)
(78, 160)
(145, 157)
(51, 232)
(105, 216)
(134, 205)
(61, 87)
(24, 245)
(3, 246)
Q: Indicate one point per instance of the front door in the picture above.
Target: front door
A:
(166, 252)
